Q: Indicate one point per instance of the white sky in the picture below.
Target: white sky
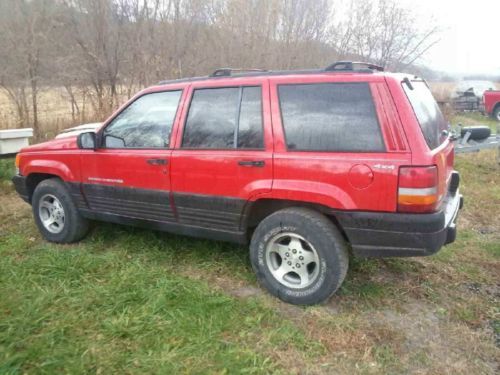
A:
(470, 41)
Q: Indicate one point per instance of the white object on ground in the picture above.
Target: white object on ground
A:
(13, 140)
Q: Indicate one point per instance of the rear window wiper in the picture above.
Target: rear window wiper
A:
(407, 81)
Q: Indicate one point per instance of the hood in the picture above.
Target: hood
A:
(67, 143)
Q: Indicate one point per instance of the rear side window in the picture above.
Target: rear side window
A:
(429, 116)
(330, 117)
(250, 126)
(225, 118)
(145, 123)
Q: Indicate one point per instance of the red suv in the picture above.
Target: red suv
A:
(303, 165)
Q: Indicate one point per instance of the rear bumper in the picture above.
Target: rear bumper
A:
(374, 234)
(21, 187)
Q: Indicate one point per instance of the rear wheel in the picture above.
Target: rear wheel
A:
(496, 113)
(55, 214)
(299, 256)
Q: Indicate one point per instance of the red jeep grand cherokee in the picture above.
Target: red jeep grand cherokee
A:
(303, 165)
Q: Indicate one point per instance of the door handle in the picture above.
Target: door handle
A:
(157, 161)
(252, 163)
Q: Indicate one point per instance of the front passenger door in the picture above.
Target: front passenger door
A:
(128, 175)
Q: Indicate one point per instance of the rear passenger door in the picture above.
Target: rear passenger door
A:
(223, 154)
(335, 144)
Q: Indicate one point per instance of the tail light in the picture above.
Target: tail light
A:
(418, 189)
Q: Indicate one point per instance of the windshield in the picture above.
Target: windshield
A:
(429, 116)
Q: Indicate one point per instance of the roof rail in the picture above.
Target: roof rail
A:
(351, 66)
(228, 72)
(339, 67)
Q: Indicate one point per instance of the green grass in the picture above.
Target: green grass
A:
(6, 173)
(85, 309)
(122, 301)
(130, 300)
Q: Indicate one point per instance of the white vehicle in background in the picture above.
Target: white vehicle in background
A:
(478, 87)
(70, 132)
(468, 94)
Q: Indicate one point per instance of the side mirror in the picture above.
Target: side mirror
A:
(87, 141)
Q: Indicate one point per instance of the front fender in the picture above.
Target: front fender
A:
(53, 167)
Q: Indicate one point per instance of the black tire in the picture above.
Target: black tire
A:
(324, 237)
(496, 113)
(477, 132)
(75, 226)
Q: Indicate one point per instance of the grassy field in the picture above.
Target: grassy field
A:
(129, 300)
(442, 91)
(55, 112)
(475, 118)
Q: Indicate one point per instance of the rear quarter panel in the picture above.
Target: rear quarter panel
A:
(421, 155)
(330, 178)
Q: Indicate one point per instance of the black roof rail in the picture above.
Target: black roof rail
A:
(228, 72)
(345, 66)
(338, 67)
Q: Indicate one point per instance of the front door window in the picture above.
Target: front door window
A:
(145, 123)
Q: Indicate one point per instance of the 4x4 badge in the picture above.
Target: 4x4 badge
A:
(384, 166)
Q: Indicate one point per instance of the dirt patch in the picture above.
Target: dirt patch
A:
(491, 290)
(12, 210)
(418, 323)
(417, 336)
(448, 347)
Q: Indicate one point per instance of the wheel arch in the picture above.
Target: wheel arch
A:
(254, 212)
(496, 107)
(34, 179)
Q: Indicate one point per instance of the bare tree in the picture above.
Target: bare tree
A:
(24, 28)
(383, 32)
(100, 51)
(95, 28)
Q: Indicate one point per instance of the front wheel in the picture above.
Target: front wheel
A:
(299, 256)
(55, 213)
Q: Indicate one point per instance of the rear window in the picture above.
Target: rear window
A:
(429, 116)
(335, 117)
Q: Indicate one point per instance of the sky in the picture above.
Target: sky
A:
(470, 40)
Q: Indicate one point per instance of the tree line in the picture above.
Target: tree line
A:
(108, 48)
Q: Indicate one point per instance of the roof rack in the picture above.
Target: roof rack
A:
(228, 72)
(344, 66)
(338, 67)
